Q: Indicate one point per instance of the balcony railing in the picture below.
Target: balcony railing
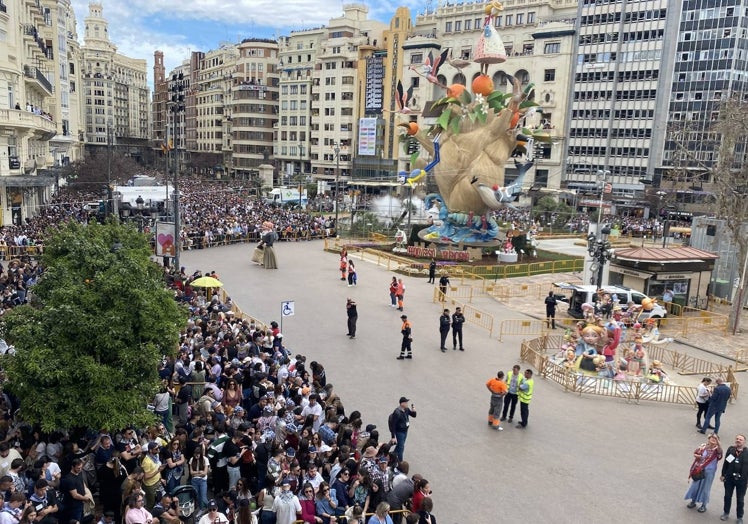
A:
(26, 120)
(34, 73)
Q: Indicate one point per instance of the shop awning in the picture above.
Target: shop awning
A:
(27, 181)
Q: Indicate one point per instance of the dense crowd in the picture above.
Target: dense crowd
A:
(259, 434)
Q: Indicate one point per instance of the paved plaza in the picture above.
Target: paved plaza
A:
(581, 459)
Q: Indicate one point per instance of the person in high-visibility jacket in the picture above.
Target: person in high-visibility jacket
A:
(498, 389)
(526, 387)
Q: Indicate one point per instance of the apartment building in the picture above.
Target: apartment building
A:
(28, 112)
(253, 114)
(213, 81)
(297, 55)
(115, 90)
(335, 109)
(539, 40)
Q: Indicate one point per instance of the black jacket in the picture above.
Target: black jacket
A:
(398, 421)
(737, 468)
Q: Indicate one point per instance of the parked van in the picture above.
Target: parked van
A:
(581, 294)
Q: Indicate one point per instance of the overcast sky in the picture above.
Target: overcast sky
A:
(178, 27)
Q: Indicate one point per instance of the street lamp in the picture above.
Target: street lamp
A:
(661, 195)
(601, 252)
(177, 106)
(140, 204)
(301, 170)
(337, 178)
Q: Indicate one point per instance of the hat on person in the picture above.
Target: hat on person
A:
(212, 504)
(370, 428)
(383, 458)
(370, 452)
(403, 399)
(285, 482)
(324, 448)
(152, 445)
(312, 449)
(403, 316)
(238, 409)
(290, 452)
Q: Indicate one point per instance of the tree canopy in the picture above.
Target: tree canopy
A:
(87, 350)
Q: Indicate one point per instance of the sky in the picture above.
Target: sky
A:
(178, 27)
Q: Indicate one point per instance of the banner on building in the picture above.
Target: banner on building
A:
(367, 137)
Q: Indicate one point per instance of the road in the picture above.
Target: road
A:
(581, 459)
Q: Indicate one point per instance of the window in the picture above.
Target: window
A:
(552, 47)
(498, 20)
(448, 27)
(550, 75)
(477, 23)
(416, 58)
(509, 19)
(468, 25)
(531, 17)
(458, 26)
(520, 18)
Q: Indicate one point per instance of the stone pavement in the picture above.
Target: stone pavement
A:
(581, 459)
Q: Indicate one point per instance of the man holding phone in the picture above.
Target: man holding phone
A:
(398, 423)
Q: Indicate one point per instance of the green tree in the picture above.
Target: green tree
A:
(87, 351)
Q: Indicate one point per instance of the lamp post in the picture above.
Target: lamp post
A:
(337, 178)
(177, 106)
(601, 252)
(301, 170)
(140, 203)
(661, 195)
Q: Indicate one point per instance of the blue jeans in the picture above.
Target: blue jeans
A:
(400, 447)
(717, 416)
(201, 485)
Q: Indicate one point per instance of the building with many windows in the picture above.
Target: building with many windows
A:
(115, 90)
(29, 114)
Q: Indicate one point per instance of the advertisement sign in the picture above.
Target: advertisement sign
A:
(367, 137)
(165, 239)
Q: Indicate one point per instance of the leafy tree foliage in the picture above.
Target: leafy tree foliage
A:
(87, 353)
(91, 172)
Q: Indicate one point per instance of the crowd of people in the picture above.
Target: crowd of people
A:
(259, 434)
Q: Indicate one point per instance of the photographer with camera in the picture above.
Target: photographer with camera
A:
(735, 477)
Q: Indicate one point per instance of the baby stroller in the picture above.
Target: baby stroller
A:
(186, 497)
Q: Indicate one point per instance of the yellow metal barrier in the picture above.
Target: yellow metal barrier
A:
(522, 326)
(478, 317)
(463, 293)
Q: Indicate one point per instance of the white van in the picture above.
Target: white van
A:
(581, 294)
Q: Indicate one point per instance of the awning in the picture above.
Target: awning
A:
(27, 181)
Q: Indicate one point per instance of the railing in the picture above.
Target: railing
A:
(21, 118)
(34, 73)
(463, 293)
(535, 352)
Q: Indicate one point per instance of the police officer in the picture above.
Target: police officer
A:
(458, 319)
(444, 325)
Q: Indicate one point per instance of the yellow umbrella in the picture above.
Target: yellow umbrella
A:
(206, 282)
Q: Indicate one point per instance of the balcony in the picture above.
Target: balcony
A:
(35, 77)
(44, 128)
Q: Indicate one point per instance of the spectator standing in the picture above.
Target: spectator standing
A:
(510, 401)
(443, 283)
(444, 325)
(351, 274)
(717, 405)
(393, 292)
(702, 399)
(498, 390)
(735, 478)
(152, 468)
(73, 491)
(458, 319)
(286, 505)
(526, 387)
(399, 423)
(406, 331)
(550, 310)
(352, 313)
(706, 458)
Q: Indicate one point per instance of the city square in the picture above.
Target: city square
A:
(574, 446)
(201, 234)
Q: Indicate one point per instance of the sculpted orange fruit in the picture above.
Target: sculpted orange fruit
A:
(483, 85)
(455, 90)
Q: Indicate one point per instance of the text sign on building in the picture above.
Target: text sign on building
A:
(367, 137)
(374, 84)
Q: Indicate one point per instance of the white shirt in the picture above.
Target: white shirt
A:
(316, 410)
(213, 518)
